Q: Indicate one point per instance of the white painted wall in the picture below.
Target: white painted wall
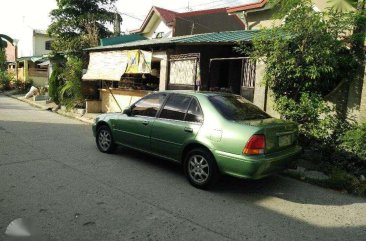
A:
(31, 43)
(159, 26)
(25, 44)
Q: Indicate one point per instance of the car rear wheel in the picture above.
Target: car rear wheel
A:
(104, 140)
(200, 168)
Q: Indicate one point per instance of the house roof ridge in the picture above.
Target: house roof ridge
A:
(247, 6)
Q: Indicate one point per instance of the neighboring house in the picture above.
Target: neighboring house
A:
(260, 14)
(163, 23)
(33, 49)
(158, 24)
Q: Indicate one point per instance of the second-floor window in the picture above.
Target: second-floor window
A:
(48, 45)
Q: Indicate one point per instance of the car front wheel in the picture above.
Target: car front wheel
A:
(104, 140)
(200, 168)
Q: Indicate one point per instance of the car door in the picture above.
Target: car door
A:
(179, 120)
(134, 130)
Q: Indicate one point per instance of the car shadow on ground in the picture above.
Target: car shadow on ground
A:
(275, 186)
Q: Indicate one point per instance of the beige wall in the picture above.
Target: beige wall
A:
(362, 117)
(40, 45)
(124, 98)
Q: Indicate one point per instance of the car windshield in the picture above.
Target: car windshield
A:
(236, 108)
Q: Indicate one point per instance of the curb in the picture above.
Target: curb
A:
(60, 112)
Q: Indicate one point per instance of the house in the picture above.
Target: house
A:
(261, 14)
(349, 99)
(33, 48)
(158, 23)
(163, 23)
(126, 72)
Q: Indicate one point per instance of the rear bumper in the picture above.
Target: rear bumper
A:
(256, 167)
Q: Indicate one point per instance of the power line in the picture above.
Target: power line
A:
(202, 4)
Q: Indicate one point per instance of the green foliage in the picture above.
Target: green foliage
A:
(5, 78)
(317, 119)
(354, 141)
(307, 53)
(55, 83)
(71, 94)
(77, 25)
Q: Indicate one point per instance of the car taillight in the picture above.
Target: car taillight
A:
(255, 145)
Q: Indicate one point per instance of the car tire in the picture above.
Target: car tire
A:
(104, 140)
(201, 169)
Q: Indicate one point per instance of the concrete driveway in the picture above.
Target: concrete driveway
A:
(52, 173)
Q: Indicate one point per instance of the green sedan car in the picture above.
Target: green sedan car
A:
(208, 133)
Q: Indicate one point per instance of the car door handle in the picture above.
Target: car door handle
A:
(188, 129)
(145, 123)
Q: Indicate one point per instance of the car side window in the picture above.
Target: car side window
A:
(149, 106)
(194, 113)
(176, 107)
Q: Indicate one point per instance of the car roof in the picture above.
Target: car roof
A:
(196, 93)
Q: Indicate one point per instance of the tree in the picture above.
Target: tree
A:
(306, 58)
(308, 53)
(79, 24)
(76, 25)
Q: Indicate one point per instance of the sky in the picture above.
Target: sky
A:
(35, 13)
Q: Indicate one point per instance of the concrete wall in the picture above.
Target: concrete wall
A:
(124, 98)
(39, 45)
(25, 44)
(362, 116)
(158, 26)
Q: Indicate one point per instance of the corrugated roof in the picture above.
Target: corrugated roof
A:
(121, 39)
(207, 38)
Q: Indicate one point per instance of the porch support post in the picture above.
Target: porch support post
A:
(26, 70)
(163, 83)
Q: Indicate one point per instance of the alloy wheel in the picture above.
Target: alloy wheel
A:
(198, 168)
(105, 140)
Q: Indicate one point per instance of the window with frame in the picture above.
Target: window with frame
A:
(194, 113)
(176, 107)
(149, 106)
(48, 45)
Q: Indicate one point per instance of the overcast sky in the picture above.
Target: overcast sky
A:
(35, 13)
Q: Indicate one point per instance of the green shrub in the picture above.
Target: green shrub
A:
(5, 80)
(55, 83)
(71, 93)
(354, 141)
(317, 120)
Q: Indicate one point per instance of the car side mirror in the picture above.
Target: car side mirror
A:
(128, 111)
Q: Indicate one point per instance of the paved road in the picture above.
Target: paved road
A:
(51, 172)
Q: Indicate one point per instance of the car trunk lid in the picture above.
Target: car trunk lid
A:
(279, 134)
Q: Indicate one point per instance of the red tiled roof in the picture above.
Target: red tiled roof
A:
(168, 16)
(249, 6)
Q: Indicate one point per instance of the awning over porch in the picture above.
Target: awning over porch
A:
(112, 65)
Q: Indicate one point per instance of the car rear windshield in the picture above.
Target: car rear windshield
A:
(236, 108)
